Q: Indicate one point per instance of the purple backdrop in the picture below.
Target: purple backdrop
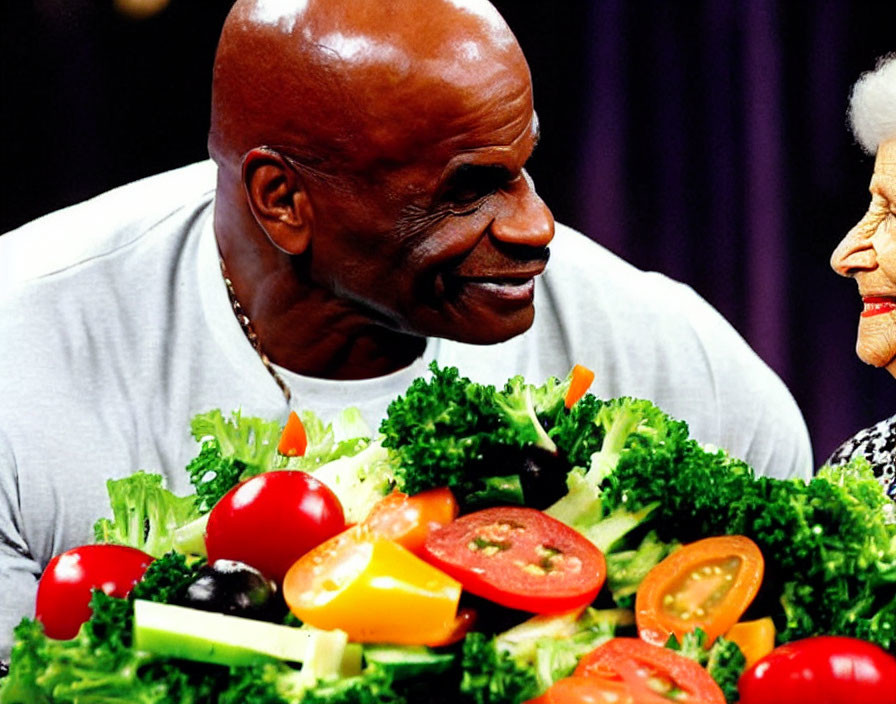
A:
(706, 140)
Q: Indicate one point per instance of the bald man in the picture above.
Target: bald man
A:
(366, 211)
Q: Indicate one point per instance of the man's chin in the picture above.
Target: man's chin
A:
(493, 329)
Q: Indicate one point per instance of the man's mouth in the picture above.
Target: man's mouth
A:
(506, 288)
(877, 305)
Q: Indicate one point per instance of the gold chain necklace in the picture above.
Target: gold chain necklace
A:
(250, 333)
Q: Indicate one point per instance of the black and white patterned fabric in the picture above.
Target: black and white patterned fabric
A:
(877, 444)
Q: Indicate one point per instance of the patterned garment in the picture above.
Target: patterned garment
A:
(878, 445)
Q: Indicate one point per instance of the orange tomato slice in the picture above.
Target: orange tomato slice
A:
(408, 520)
(707, 584)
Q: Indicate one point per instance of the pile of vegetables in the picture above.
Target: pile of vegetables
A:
(489, 545)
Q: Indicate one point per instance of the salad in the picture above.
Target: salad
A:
(525, 544)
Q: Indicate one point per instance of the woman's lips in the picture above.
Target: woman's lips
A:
(877, 305)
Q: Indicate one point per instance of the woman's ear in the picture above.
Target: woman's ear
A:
(278, 200)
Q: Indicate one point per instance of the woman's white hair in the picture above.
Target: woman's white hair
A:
(872, 105)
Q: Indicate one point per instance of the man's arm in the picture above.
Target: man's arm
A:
(19, 571)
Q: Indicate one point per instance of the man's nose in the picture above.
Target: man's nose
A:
(855, 252)
(524, 218)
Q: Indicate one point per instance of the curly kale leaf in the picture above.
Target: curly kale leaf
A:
(213, 475)
(439, 429)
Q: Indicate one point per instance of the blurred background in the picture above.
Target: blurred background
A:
(703, 139)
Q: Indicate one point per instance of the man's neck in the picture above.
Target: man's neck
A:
(307, 330)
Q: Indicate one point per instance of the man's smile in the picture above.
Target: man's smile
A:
(507, 289)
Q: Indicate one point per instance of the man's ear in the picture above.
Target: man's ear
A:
(278, 200)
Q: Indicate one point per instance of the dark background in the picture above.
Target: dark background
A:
(707, 140)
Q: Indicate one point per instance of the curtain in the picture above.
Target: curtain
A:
(703, 139)
(709, 141)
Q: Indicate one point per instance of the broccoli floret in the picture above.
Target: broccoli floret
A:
(493, 676)
(829, 550)
(144, 514)
(524, 661)
(608, 433)
(276, 683)
(438, 429)
(724, 660)
(517, 403)
(626, 569)
(448, 431)
(360, 480)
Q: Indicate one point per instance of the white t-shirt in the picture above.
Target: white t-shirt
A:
(116, 328)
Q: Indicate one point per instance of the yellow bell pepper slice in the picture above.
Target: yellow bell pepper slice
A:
(374, 590)
(756, 639)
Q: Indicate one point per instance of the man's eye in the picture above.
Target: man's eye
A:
(472, 183)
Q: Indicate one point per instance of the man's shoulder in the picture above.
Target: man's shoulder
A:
(103, 224)
(595, 276)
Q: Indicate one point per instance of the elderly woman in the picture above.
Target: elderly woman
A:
(868, 255)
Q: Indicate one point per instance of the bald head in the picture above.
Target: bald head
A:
(371, 184)
(342, 83)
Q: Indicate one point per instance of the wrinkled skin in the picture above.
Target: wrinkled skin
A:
(371, 186)
(868, 255)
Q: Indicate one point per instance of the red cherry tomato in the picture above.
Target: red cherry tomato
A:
(653, 674)
(409, 519)
(65, 588)
(270, 520)
(829, 669)
(519, 558)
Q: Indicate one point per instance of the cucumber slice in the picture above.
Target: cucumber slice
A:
(406, 661)
(182, 632)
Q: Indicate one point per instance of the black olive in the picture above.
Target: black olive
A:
(542, 473)
(232, 587)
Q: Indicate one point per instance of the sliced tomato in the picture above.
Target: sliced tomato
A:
(654, 675)
(520, 558)
(586, 690)
(374, 590)
(408, 520)
(830, 669)
(707, 584)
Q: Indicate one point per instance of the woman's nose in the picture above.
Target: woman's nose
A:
(524, 218)
(855, 252)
